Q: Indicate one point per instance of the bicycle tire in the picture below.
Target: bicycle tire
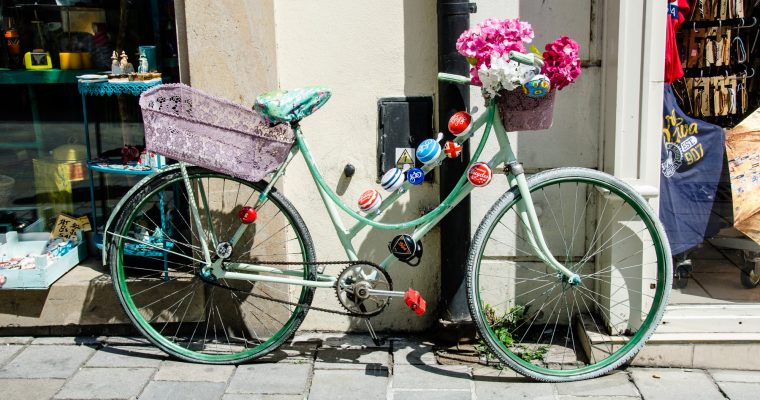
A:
(531, 348)
(166, 185)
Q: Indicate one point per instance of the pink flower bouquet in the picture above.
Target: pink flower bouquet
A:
(487, 47)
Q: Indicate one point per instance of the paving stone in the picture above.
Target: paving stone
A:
(297, 354)
(124, 340)
(434, 395)
(127, 357)
(46, 362)
(740, 390)
(728, 375)
(183, 390)
(15, 340)
(669, 384)
(431, 377)
(189, 372)
(616, 384)
(232, 396)
(482, 372)
(366, 359)
(66, 340)
(410, 352)
(504, 388)
(348, 385)
(25, 389)
(343, 340)
(7, 352)
(106, 383)
(280, 378)
(572, 397)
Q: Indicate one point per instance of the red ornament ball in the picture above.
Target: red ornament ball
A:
(479, 174)
(452, 149)
(459, 122)
(247, 215)
(370, 201)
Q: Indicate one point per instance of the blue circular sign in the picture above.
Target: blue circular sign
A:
(428, 151)
(415, 176)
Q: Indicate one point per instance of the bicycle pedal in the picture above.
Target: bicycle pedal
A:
(414, 301)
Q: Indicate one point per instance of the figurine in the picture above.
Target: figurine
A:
(115, 68)
(143, 66)
(126, 66)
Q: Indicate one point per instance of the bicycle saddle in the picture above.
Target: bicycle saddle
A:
(291, 105)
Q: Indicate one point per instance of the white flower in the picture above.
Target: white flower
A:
(504, 74)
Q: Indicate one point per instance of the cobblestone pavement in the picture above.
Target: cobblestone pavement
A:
(319, 366)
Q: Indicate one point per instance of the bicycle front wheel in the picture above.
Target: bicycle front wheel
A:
(155, 257)
(530, 316)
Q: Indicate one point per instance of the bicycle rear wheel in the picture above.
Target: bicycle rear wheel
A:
(530, 316)
(155, 258)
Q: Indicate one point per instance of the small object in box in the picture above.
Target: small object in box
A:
(37, 59)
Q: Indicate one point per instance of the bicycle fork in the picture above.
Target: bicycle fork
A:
(529, 219)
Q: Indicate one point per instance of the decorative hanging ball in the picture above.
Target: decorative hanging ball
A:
(415, 176)
(539, 86)
(428, 151)
(392, 179)
(247, 214)
(452, 149)
(459, 122)
(370, 201)
(479, 174)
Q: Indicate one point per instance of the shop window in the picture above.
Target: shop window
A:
(44, 47)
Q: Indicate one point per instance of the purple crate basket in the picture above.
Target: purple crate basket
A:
(188, 125)
(519, 112)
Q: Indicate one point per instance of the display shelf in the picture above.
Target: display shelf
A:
(134, 88)
(113, 168)
(41, 76)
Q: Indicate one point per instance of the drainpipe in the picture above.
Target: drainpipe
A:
(453, 19)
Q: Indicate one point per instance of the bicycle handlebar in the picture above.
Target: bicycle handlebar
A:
(529, 59)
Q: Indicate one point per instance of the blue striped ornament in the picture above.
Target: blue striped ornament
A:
(428, 151)
(392, 179)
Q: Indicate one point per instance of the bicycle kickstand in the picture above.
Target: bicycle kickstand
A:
(378, 341)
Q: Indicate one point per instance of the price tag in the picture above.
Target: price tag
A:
(66, 226)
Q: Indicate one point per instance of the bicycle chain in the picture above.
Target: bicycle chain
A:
(302, 305)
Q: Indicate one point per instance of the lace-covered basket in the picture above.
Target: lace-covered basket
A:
(188, 125)
(519, 112)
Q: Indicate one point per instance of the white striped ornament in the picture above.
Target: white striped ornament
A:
(392, 179)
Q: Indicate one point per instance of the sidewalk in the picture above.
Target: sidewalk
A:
(318, 366)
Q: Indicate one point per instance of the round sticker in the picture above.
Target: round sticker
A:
(428, 151)
(452, 149)
(370, 201)
(459, 122)
(392, 179)
(415, 176)
(479, 174)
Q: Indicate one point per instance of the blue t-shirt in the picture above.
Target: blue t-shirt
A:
(692, 160)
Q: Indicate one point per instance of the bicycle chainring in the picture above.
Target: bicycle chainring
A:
(353, 286)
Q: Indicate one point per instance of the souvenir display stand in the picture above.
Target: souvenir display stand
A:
(105, 88)
(46, 268)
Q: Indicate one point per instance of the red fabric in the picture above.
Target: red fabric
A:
(677, 10)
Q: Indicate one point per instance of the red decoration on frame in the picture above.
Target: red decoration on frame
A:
(459, 122)
(370, 201)
(247, 215)
(480, 174)
(452, 149)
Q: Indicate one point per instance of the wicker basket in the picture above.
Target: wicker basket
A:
(188, 125)
(519, 112)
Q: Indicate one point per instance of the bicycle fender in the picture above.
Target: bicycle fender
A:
(117, 210)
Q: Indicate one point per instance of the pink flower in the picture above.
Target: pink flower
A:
(562, 64)
(493, 37)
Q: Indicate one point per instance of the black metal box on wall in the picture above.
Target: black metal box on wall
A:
(403, 123)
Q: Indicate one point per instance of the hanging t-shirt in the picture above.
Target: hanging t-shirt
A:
(677, 10)
(692, 160)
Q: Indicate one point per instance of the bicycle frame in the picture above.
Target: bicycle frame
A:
(422, 225)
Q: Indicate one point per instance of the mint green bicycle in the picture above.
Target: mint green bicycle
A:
(568, 273)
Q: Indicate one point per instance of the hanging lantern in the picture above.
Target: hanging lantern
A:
(479, 174)
(428, 151)
(370, 201)
(537, 87)
(415, 176)
(452, 149)
(392, 179)
(459, 122)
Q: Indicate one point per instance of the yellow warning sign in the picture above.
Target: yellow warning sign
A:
(404, 158)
